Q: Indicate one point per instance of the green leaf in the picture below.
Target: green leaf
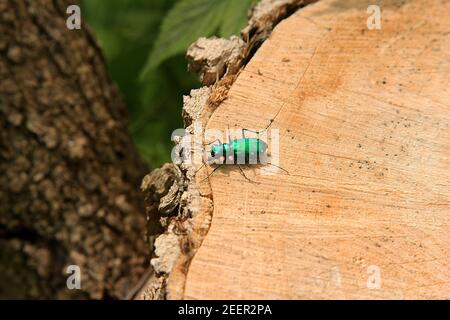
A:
(187, 21)
(235, 17)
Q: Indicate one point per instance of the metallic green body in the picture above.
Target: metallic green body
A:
(248, 146)
(245, 150)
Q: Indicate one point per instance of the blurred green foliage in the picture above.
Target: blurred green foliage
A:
(144, 42)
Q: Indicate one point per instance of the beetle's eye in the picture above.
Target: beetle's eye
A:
(213, 153)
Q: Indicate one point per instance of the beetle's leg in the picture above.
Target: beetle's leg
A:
(245, 176)
(229, 135)
(268, 126)
(215, 169)
(249, 130)
(230, 148)
(203, 164)
(208, 144)
(271, 121)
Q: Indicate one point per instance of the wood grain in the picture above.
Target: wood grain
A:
(364, 132)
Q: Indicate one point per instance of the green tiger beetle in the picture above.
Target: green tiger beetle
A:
(247, 151)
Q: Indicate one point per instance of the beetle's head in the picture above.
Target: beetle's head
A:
(215, 153)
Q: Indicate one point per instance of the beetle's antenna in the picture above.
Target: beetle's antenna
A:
(245, 176)
(276, 115)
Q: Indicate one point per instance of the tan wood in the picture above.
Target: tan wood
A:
(364, 133)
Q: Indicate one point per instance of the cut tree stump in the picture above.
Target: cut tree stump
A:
(364, 133)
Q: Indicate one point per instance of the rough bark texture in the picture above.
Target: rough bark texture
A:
(69, 174)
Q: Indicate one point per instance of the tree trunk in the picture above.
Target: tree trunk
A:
(69, 182)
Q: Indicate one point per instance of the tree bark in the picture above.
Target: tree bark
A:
(69, 182)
